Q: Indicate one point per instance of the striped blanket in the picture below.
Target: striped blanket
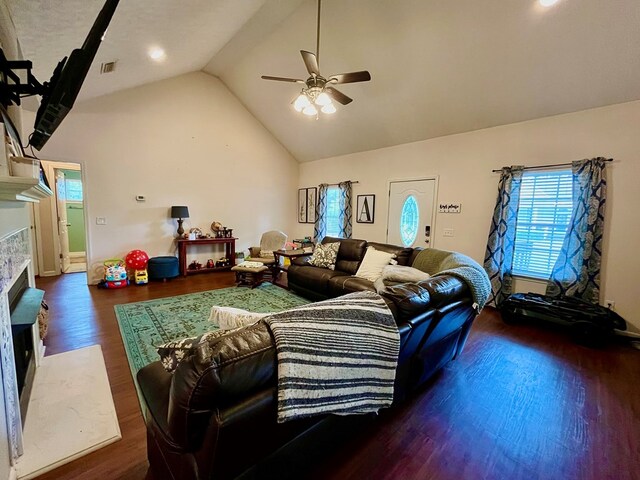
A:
(336, 356)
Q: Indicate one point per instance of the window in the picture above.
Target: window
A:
(543, 217)
(409, 219)
(334, 215)
(73, 190)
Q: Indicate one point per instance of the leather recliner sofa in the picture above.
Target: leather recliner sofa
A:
(215, 417)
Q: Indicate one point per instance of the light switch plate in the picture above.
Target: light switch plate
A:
(448, 232)
(101, 220)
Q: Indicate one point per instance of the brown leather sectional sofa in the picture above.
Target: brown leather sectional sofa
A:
(217, 418)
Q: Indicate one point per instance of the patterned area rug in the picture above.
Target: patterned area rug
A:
(145, 325)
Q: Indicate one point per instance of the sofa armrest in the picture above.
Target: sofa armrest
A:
(300, 261)
(445, 289)
(408, 299)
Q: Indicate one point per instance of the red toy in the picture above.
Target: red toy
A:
(137, 260)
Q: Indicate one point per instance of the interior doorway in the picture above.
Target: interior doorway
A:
(70, 213)
(411, 217)
(62, 220)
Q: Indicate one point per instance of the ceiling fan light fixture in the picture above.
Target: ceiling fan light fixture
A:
(301, 102)
(322, 100)
(328, 109)
(310, 110)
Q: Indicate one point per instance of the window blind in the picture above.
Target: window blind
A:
(543, 217)
(334, 215)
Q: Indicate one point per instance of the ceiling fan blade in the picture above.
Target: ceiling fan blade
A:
(338, 96)
(311, 62)
(351, 77)
(282, 79)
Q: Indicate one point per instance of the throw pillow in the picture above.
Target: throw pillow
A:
(399, 273)
(325, 255)
(228, 317)
(174, 352)
(373, 263)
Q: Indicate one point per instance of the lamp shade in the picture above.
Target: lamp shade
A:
(179, 212)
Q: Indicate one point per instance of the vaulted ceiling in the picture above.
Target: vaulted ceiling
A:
(438, 67)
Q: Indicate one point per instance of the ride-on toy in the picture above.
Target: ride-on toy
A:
(590, 324)
(115, 274)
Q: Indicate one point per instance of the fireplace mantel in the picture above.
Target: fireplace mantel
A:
(23, 189)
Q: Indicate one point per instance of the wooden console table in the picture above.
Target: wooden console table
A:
(230, 253)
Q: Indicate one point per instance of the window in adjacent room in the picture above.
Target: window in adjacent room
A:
(334, 215)
(543, 217)
(73, 190)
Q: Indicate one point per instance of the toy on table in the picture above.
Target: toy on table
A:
(137, 260)
(115, 273)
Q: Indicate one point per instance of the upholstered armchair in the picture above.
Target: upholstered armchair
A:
(270, 241)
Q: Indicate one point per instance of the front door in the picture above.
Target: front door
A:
(63, 226)
(411, 212)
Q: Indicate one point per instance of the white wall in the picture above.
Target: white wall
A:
(182, 141)
(464, 162)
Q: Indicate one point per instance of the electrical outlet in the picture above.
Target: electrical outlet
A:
(448, 232)
(101, 220)
(610, 304)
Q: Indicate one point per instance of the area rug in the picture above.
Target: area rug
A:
(145, 325)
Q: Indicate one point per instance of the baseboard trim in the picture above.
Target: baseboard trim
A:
(49, 273)
(77, 254)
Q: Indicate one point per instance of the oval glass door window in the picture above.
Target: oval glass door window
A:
(409, 219)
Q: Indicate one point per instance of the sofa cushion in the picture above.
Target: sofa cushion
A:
(343, 284)
(403, 254)
(325, 255)
(350, 254)
(373, 263)
(312, 278)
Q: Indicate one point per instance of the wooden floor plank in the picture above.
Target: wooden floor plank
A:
(521, 402)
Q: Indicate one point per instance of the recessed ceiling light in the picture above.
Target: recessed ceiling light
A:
(547, 3)
(157, 54)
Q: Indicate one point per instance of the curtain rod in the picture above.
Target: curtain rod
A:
(352, 182)
(568, 164)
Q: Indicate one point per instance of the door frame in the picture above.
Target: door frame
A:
(50, 168)
(434, 211)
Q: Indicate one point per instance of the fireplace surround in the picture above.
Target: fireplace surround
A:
(15, 267)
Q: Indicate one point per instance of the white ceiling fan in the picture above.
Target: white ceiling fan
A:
(318, 91)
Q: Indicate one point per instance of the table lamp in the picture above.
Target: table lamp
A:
(180, 212)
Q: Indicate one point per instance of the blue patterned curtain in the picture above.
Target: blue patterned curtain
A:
(576, 273)
(498, 261)
(345, 209)
(320, 228)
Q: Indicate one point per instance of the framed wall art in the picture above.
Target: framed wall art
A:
(307, 200)
(366, 208)
(302, 205)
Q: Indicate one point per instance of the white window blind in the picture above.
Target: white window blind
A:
(543, 217)
(333, 215)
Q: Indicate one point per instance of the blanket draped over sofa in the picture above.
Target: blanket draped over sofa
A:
(440, 262)
(336, 356)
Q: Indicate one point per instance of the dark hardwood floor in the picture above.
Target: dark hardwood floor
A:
(521, 402)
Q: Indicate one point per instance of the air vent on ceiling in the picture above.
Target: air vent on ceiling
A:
(107, 67)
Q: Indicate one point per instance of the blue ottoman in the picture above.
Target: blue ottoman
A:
(161, 268)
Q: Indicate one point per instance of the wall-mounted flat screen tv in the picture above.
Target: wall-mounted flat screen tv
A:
(63, 88)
